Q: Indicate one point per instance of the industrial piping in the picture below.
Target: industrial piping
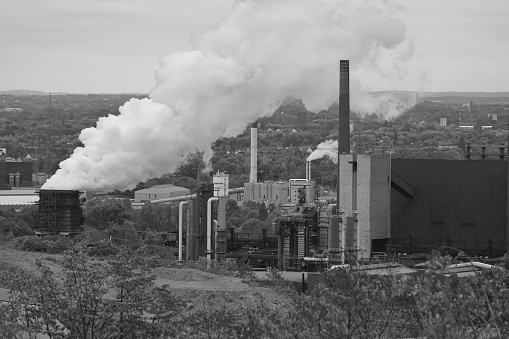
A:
(174, 199)
(191, 196)
(209, 227)
(280, 242)
(181, 220)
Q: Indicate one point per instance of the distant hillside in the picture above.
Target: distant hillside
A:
(467, 94)
(20, 92)
(464, 97)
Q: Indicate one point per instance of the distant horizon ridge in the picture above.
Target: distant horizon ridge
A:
(426, 93)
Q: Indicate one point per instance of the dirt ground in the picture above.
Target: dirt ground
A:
(198, 288)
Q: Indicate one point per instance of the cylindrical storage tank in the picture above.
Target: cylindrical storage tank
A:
(59, 212)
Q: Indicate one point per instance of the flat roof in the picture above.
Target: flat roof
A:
(163, 189)
(19, 199)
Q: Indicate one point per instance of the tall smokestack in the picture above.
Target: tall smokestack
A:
(344, 107)
(254, 152)
(344, 115)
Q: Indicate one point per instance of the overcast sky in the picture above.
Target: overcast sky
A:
(110, 46)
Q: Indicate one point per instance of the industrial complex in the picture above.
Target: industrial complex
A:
(383, 205)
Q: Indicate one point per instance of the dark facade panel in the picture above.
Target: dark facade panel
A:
(25, 169)
(457, 200)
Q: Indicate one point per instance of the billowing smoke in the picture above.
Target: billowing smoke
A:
(327, 148)
(386, 104)
(261, 52)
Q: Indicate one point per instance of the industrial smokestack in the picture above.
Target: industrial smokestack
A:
(308, 170)
(344, 107)
(344, 115)
(254, 153)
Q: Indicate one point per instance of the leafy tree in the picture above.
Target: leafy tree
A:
(192, 166)
(156, 217)
(101, 213)
(262, 212)
(80, 306)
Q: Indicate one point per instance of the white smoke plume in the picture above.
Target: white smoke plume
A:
(261, 52)
(388, 104)
(329, 148)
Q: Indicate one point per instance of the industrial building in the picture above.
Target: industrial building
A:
(383, 205)
(15, 173)
(159, 192)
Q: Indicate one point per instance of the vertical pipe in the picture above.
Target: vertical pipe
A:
(189, 234)
(181, 221)
(209, 227)
(254, 153)
(280, 248)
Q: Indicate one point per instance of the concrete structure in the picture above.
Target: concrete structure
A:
(159, 192)
(279, 192)
(276, 192)
(221, 182)
(38, 179)
(16, 172)
(365, 201)
(253, 176)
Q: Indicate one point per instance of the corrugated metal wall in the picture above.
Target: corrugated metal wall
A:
(457, 200)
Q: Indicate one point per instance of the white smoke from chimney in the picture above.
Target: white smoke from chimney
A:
(261, 52)
(327, 148)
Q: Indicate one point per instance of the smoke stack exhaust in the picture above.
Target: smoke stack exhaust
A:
(254, 153)
(344, 107)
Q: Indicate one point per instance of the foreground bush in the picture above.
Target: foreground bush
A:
(47, 244)
(118, 299)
